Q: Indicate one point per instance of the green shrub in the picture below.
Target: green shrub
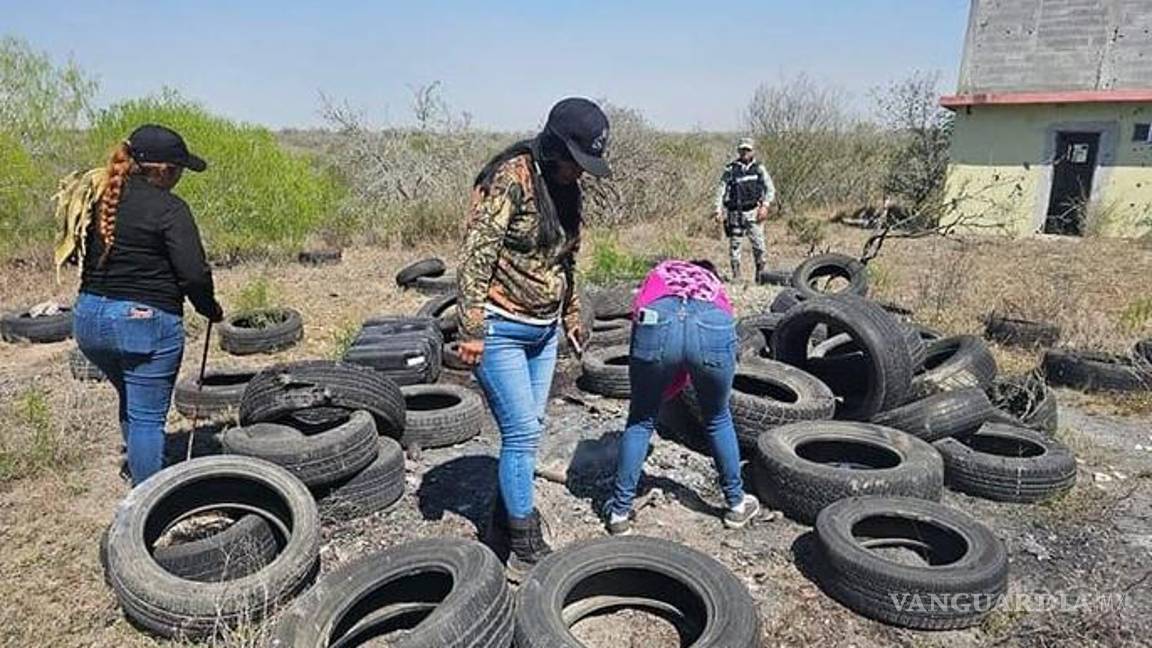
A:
(42, 107)
(24, 189)
(611, 263)
(255, 198)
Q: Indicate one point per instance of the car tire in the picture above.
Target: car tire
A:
(1007, 463)
(845, 267)
(425, 268)
(605, 372)
(432, 593)
(220, 393)
(441, 415)
(282, 389)
(1011, 331)
(959, 362)
(711, 607)
(1096, 372)
(941, 415)
(44, 329)
(171, 606)
(802, 467)
(963, 577)
(320, 458)
(238, 338)
(380, 485)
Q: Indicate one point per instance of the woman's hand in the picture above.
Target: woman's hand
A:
(471, 351)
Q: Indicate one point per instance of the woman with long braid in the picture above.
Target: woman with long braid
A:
(143, 257)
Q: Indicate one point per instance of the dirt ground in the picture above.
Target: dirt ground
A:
(1096, 542)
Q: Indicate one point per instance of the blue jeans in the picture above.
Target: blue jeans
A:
(516, 375)
(139, 348)
(692, 335)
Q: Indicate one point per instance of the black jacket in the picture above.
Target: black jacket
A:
(157, 257)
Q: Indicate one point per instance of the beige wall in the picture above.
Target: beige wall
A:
(1000, 170)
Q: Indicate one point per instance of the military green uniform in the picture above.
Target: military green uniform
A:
(501, 266)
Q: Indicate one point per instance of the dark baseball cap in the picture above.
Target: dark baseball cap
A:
(584, 129)
(158, 144)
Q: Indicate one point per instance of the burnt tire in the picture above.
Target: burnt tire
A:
(441, 415)
(882, 376)
(959, 362)
(282, 389)
(424, 268)
(220, 393)
(316, 459)
(809, 273)
(710, 606)
(959, 577)
(377, 487)
(1025, 401)
(82, 368)
(22, 327)
(1007, 463)
(432, 593)
(1011, 331)
(605, 372)
(239, 336)
(171, 606)
(327, 256)
(244, 547)
(1096, 372)
(940, 415)
(442, 285)
(803, 467)
(767, 394)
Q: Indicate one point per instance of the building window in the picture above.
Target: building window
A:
(1142, 133)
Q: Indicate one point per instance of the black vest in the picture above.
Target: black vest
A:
(746, 187)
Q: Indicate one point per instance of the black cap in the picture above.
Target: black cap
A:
(152, 143)
(584, 129)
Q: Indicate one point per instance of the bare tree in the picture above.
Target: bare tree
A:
(918, 166)
(818, 154)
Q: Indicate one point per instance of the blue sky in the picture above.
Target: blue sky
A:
(685, 65)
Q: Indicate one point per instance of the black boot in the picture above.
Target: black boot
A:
(495, 533)
(528, 546)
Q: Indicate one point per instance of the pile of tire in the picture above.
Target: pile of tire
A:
(261, 331)
(334, 426)
(428, 276)
(239, 575)
(611, 310)
(407, 350)
(37, 325)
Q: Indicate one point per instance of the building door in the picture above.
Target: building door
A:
(1072, 171)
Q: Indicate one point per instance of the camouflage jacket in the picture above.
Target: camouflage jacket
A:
(500, 263)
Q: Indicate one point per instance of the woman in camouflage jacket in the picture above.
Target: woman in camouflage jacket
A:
(517, 289)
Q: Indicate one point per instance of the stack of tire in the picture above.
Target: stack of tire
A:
(405, 349)
(334, 426)
(241, 574)
(428, 276)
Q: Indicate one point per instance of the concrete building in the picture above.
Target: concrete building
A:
(1053, 112)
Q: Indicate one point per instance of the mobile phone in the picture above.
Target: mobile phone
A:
(647, 317)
